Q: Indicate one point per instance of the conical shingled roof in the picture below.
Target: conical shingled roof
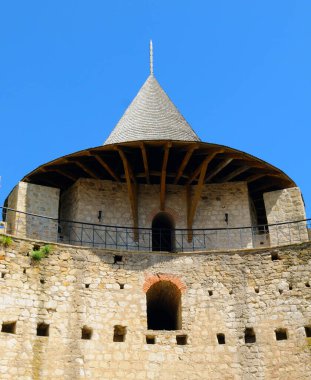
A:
(151, 116)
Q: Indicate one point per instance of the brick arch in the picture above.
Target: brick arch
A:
(173, 213)
(153, 279)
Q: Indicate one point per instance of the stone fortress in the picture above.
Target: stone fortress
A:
(171, 258)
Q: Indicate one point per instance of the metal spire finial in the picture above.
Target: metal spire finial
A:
(151, 58)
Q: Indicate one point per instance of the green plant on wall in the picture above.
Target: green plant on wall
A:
(41, 253)
(5, 241)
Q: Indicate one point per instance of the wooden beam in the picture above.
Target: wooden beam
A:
(198, 169)
(107, 167)
(86, 169)
(234, 173)
(185, 162)
(145, 161)
(163, 176)
(132, 191)
(65, 174)
(196, 198)
(254, 177)
(219, 168)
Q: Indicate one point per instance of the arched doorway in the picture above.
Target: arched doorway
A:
(164, 306)
(163, 236)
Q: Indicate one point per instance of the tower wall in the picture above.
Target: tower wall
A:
(221, 293)
(286, 206)
(33, 199)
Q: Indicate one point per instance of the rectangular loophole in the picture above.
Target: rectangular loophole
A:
(86, 333)
(150, 339)
(221, 339)
(249, 335)
(308, 331)
(119, 333)
(281, 334)
(43, 329)
(275, 256)
(118, 259)
(181, 340)
(8, 327)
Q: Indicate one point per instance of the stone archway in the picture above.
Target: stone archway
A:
(164, 306)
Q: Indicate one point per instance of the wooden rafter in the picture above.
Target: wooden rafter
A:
(132, 190)
(185, 162)
(107, 168)
(65, 174)
(254, 177)
(163, 176)
(199, 168)
(192, 206)
(234, 173)
(218, 168)
(145, 161)
(86, 169)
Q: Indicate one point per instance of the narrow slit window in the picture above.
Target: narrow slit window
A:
(150, 339)
(308, 331)
(249, 335)
(181, 340)
(118, 259)
(281, 334)
(221, 338)
(43, 329)
(275, 256)
(86, 333)
(8, 327)
(119, 333)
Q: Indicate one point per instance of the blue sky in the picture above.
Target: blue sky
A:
(239, 71)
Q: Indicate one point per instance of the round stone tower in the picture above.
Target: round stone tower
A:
(155, 256)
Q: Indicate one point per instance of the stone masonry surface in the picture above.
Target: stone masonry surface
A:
(222, 293)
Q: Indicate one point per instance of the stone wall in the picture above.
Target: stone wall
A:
(222, 293)
(87, 197)
(38, 200)
(285, 206)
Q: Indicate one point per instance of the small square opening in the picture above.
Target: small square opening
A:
(280, 291)
(181, 340)
(121, 285)
(87, 286)
(2, 274)
(86, 333)
(221, 339)
(210, 292)
(119, 333)
(42, 281)
(43, 329)
(290, 287)
(24, 271)
(281, 334)
(118, 259)
(257, 289)
(150, 339)
(307, 284)
(249, 335)
(8, 327)
(308, 331)
(275, 256)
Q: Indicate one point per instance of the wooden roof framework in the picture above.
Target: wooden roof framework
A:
(163, 163)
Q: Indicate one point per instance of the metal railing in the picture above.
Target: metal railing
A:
(33, 226)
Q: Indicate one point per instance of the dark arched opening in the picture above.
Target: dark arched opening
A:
(164, 306)
(163, 236)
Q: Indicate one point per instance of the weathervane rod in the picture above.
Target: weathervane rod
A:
(151, 58)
